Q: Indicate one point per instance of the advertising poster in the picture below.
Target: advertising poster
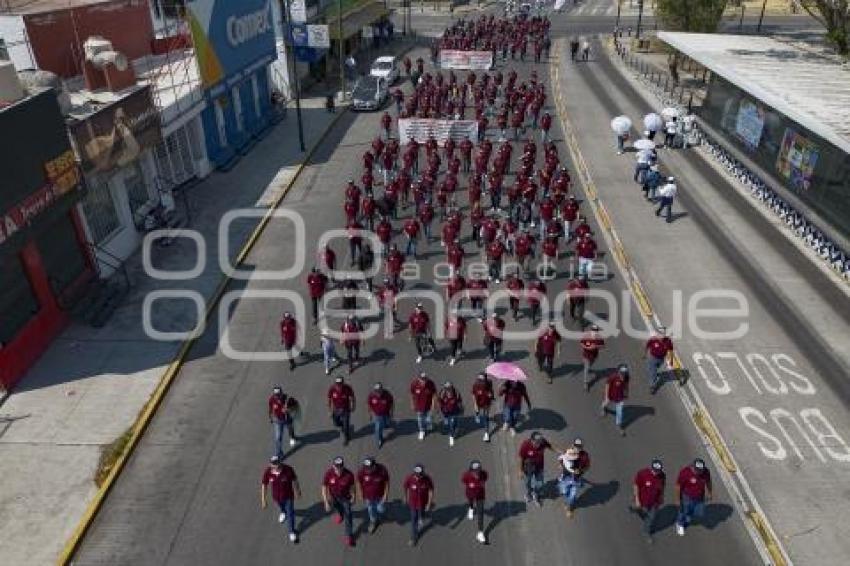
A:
(115, 135)
(421, 129)
(466, 60)
(749, 124)
(797, 159)
(230, 35)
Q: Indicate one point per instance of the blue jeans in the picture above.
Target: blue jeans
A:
(375, 509)
(510, 414)
(652, 366)
(278, 430)
(619, 408)
(343, 508)
(533, 482)
(450, 424)
(423, 421)
(288, 506)
(666, 203)
(415, 517)
(482, 417)
(585, 266)
(688, 509)
(342, 420)
(648, 517)
(411, 247)
(328, 354)
(569, 487)
(426, 227)
(380, 422)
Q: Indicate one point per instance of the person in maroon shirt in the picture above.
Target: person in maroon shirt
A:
(338, 495)
(546, 349)
(531, 461)
(586, 252)
(451, 407)
(495, 251)
(494, 328)
(384, 230)
(289, 338)
(282, 411)
(524, 249)
(591, 343)
(420, 330)
(283, 482)
(569, 214)
(482, 393)
(577, 292)
(474, 480)
(693, 491)
(351, 333)
(658, 349)
(455, 332)
(545, 125)
(648, 492)
(422, 401)
(411, 230)
(419, 494)
(616, 393)
(341, 403)
(476, 290)
(515, 287)
(317, 283)
(373, 487)
(380, 404)
(536, 292)
(455, 255)
(513, 393)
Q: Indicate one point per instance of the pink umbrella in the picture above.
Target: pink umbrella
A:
(506, 371)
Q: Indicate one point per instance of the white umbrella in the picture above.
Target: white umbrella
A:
(653, 122)
(670, 112)
(621, 124)
(644, 144)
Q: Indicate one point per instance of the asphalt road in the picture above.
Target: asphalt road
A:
(189, 493)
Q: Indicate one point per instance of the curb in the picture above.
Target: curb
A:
(767, 543)
(173, 370)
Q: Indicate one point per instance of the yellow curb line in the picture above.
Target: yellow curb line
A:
(700, 417)
(168, 377)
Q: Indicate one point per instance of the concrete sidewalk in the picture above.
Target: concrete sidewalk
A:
(90, 385)
(778, 393)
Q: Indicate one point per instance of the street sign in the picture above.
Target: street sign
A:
(318, 36)
(298, 11)
(299, 35)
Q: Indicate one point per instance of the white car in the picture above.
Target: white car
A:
(385, 67)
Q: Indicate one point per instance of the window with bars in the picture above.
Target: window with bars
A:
(99, 208)
(137, 189)
(18, 303)
(174, 158)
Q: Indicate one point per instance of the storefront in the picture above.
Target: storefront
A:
(235, 43)
(43, 252)
(784, 112)
(115, 146)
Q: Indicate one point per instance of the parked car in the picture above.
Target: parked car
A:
(369, 93)
(385, 67)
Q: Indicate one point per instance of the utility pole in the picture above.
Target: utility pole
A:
(761, 16)
(640, 18)
(619, 5)
(293, 71)
(741, 23)
(341, 49)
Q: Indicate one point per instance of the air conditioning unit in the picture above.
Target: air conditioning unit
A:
(10, 86)
(99, 51)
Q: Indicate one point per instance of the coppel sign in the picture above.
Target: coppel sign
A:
(230, 36)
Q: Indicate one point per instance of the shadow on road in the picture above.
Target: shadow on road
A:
(598, 494)
(544, 419)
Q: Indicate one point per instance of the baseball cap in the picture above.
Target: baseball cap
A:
(338, 461)
(475, 465)
(368, 461)
(671, 179)
(535, 436)
(338, 379)
(274, 460)
(378, 386)
(699, 464)
(656, 465)
(447, 384)
(481, 375)
(418, 469)
(423, 375)
(578, 442)
(623, 368)
(277, 389)
(594, 327)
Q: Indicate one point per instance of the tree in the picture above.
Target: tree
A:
(701, 16)
(834, 15)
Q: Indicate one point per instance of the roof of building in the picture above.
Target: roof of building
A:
(21, 7)
(807, 87)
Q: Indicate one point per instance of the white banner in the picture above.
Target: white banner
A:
(298, 11)
(477, 60)
(318, 36)
(421, 129)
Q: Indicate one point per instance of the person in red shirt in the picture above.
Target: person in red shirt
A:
(327, 260)
(648, 492)
(422, 401)
(591, 343)
(476, 290)
(419, 493)
(455, 332)
(546, 349)
(531, 462)
(451, 407)
(351, 333)
(386, 123)
(582, 228)
(283, 482)
(494, 328)
(380, 404)
(337, 494)
(616, 393)
(515, 287)
(693, 491)
(341, 404)
(569, 214)
(386, 295)
(373, 486)
(474, 480)
(289, 338)
(513, 393)
(524, 249)
(495, 251)
(384, 230)
(317, 283)
(577, 292)
(545, 125)
(420, 330)
(482, 393)
(536, 292)
(455, 255)
(658, 349)
(411, 230)
(586, 252)
(282, 411)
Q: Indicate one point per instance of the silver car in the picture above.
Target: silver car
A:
(369, 93)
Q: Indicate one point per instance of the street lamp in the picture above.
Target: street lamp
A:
(341, 49)
(290, 48)
(619, 5)
(761, 16)
(640, 18)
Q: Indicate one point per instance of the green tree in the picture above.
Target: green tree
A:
(701, 16)
(834, 15)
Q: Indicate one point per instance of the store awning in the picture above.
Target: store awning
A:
(355, 21)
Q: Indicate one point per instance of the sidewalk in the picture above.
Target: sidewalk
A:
(90, 385)
(777, 395)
